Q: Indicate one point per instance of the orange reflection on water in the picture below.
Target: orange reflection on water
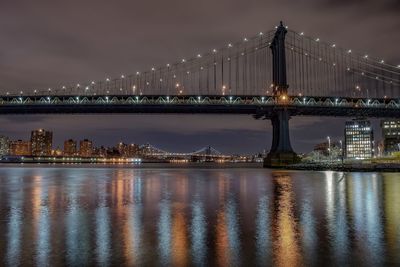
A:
(222, 242)
(180, 243)
(122, 194)
(286, 247)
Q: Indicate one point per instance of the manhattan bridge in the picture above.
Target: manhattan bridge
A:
(274, 75)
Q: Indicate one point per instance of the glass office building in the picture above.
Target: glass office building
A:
(391, 136)
(359, 139)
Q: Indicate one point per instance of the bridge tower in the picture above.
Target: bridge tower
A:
(281, 152)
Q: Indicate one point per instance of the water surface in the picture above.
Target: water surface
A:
(195, 217)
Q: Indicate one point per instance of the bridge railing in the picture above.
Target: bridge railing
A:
(289, 101)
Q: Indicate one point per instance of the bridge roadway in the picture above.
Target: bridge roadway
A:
(258, 106)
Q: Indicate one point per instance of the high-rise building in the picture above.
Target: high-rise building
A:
(85, 148)
(70, 148)
(20, 148)
(359, 139)
(4, 145)
(41, 141)
(133, 150)
(391, 136)
(122, 149)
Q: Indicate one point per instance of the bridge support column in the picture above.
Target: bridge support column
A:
(281, 153)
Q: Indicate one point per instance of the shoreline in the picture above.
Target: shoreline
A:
(210, 165)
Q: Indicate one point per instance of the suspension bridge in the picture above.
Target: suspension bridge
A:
(208, 151)
(274, 75)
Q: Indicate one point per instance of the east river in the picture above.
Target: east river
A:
(97, 216)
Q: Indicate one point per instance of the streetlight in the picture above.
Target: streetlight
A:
(329, 147)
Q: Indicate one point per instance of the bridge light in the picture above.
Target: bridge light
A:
(107, 98)
(230, 98)
(198, 98)
(48, 98)
(262, 99)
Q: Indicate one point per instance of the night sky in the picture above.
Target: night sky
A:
(50, 43)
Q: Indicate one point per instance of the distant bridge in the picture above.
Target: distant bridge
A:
(208, 151)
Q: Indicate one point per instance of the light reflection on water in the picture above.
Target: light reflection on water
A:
(198, 217)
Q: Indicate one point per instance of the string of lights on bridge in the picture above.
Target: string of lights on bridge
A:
(243, 68)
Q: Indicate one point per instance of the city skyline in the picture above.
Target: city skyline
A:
(259, 138)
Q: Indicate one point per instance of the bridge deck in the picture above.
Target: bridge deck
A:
(259, 106)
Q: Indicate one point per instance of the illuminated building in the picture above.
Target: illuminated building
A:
(41, 141)
(133, 150)
(57, 152)
(20, 148)
(85, 148)
(70, 148)
(4, 145)
(122, 149)
(359, 139)
(391, 136)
